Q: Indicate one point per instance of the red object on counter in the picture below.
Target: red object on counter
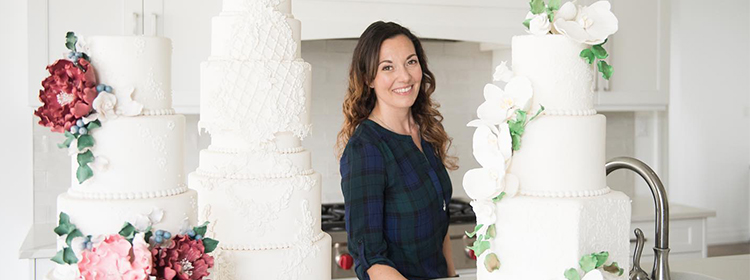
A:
(471, 254)
(345, 261)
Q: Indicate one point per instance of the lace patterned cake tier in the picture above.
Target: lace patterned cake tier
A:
(284, 6)
(268, 35)
(253, 100)
(254, 165)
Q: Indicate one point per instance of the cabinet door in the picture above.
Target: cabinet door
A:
(188, 24)
(639, 52)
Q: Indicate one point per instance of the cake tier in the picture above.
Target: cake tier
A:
(254, 165)
(305, 261)
(251, 101)
(143, 155)
(135, 66)
(269, 35)
(562, 80)
(95, 216)
(540, 238)
(284, 6)
(562, 156)
(255, 214)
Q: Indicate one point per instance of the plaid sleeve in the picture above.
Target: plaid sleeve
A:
(363, 182)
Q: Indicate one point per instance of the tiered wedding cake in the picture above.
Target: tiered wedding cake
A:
(255, 180)
(546, 211)
(138, 158)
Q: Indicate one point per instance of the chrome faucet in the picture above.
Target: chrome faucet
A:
(661, 248)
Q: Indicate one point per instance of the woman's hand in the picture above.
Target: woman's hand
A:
(448, 258)
(384, 272)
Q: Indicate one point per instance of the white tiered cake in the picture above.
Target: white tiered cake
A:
(255, 181)
(143, 154)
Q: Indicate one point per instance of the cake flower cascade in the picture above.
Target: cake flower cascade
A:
(589, 25)
(502, 120)
(75, 103)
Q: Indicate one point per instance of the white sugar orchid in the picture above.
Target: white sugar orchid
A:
(589, 25)
(502, 73)
(484, 211)
(593, 275)
(539, 24)
(492, 144)
(100, 164)
(126, 105)
(143, 222)
(501, 105)
(488, 183)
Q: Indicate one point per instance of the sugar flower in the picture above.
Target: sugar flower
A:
(589, 25)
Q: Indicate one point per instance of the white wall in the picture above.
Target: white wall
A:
(709, 113)
(15, 142)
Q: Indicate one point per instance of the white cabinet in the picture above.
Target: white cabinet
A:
(186, 22)
(639, 52)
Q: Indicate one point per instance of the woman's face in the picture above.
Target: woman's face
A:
(399, 74)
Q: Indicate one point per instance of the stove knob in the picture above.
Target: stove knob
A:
(345, 261)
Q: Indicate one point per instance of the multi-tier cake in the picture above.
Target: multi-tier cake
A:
(544, 210)
(255, 181)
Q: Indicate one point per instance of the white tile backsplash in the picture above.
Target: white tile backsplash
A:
(461, 71)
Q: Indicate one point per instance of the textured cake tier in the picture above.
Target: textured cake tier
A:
(562, 156)
(268, 35)
(254, 165)
(136, 66)
(283, 142)
(254, 214)
(251, 101)
(96, 216)
(308, 260)
(540, 238)
(144, 158)
(562, 80)
(284, 6)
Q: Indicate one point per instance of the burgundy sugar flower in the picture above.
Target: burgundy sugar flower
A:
(68, 94)
(183, 259)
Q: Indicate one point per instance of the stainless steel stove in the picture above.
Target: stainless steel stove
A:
(342, 264)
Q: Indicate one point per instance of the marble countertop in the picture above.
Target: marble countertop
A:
(41, 241)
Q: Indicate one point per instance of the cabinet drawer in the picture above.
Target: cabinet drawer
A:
(684, 236)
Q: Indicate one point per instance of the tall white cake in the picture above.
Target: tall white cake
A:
(564, 209)
(255, 181)
(143, 153)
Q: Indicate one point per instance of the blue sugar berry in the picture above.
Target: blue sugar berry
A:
(89, 245)
(108, 89)
(79, 123)
(167, 235)
(158, 239)
(198, 237)
(159, 233)
(191, 233)
(83, 131)
(71, 55)
(99, 87)
(74, 129)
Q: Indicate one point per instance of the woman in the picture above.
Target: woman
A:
(393, 167)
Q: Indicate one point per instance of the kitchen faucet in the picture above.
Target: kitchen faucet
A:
(661, 248)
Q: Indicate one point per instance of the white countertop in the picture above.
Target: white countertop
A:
(643, 210)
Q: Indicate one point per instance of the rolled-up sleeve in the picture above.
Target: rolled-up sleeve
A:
(363, 183)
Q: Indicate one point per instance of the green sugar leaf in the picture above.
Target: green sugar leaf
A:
(572, 274)
(605, 68)
(64, 219)
(613, 268)
(85, 141)
(70, 41)
(498, 197)
(83, 173)
(516, 142)
(601, 258)
(85, 158)
(527, 23)
(69, 256)
(550, 15)
(75, 233)
(605, 41)
(599, 52)
(64, 229)
(480, 247)
(537, 113)
(473, 233)
(588, 55)
(147, 236)
(58, 258)
(587, 263)
(537, 6)
(201, 230)
(127, 231)
(85, 56)
(554, 5)
(491, 231)
(209, 244)
(93, 125)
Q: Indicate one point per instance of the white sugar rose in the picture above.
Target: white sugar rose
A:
(589, 25)
(502, 73)
(539, 24)
(485, 211)
(127, 106)
(104, 104)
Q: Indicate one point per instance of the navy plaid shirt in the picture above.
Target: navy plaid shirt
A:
(396, 200)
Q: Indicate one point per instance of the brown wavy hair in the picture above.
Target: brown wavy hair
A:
(360, 98)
